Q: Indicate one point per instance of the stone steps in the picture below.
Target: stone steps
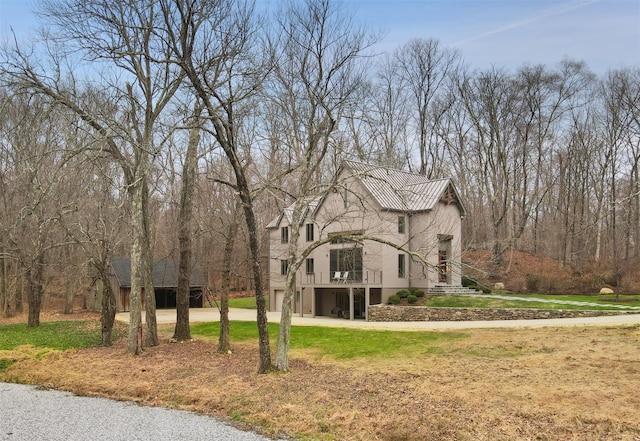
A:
(451, 290)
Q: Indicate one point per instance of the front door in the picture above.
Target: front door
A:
(443, 267)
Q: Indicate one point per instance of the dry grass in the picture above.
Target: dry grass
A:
(508, 384)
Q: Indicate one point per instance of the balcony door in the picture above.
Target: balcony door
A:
(347, 260)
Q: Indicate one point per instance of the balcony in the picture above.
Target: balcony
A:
(341, 278)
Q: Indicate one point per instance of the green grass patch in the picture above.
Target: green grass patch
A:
(241, 303)
(239, 331)
(453, 301)
(607, 299)
(61, 335)
(5, 363)
(18, 341)
(342, 343)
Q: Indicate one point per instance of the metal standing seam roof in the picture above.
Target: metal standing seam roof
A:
(165, 273)
(287, 213)
(399, 190)
(393, 190)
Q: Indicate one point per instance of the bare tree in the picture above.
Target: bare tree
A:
(182, 331)
(123, 42)
(34, 196)
(424, 67)
(214, 43)
(318, 73)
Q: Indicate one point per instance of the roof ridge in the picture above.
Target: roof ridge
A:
(397, 170)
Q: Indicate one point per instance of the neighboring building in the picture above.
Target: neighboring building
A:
(342, 278)
(165, 283)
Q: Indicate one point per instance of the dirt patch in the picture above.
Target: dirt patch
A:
(495, 384)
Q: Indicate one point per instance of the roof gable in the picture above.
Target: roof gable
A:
(402, 191)
(312, 204)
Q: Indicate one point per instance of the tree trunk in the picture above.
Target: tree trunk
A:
(254, 246)
(182, 331)
(108, 310)
(284, 333)
(20, 296)
(224, 344)
(35, 291)
(151, 337)
(4, 294)
(68, 297)
(134, 344)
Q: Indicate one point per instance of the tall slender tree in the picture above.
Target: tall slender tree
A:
(318, 73)
(215, 45)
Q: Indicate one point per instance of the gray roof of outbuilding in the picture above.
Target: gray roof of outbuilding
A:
(165, 273)
(398, 190)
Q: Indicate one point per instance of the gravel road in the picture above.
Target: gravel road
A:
(28, 414)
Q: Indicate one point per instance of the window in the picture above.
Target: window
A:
(284, 234)
(401, 224)
(309, 266)
(401, 266)
(309, 232)
(284, 267)
(347, 260)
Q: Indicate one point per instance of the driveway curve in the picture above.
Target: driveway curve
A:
(31, 414)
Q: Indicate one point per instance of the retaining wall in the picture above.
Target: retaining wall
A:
(393, 313)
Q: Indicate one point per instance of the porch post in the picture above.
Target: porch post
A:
(313, 301)
(351, 303)
(302, 301)
(367, 300)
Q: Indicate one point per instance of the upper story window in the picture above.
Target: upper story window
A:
(284, 234)
(401, 224)
(284, 267)
(310, 233)
(309, 266)
(401, 266)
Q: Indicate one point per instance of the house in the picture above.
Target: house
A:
(165, 283)
(377, 230)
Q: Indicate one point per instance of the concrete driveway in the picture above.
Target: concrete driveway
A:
(212, 314)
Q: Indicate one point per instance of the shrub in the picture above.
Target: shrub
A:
(532, 283)
(412, 298)
(394, 299)
(469, 281)
(486, 290)
(403, 293)
(416, 291)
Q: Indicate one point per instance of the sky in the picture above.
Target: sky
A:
(502, 33)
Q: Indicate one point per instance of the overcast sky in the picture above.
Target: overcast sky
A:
(506, 33)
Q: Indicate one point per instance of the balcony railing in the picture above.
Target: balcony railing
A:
(341, 277)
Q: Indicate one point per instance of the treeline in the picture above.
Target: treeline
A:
(180, 128)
